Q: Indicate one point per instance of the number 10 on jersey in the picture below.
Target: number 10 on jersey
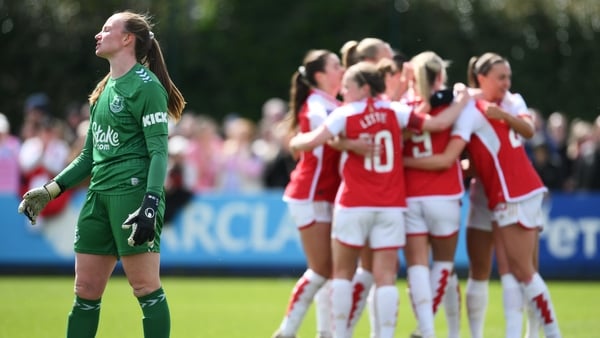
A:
(382, 157)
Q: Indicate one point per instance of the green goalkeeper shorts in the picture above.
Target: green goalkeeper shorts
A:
(99, 231)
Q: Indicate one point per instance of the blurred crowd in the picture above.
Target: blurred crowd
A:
(566, 154)
(238, 155)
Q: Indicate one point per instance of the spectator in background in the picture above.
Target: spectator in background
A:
(277, 170)
(73, 117)
(579, 131)
(77, 146)
(541, 149)
(546, 164)
(185, 125)
(540, 133)
(79, 141)
(9, 159)
(240, 168)
(42, 157)
(273, 112)
(272, 144)
(202, 154)
(177, 193)
(558, 128)
(36, 111)
(586, 167)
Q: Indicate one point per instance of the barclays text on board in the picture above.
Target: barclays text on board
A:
(227, 231)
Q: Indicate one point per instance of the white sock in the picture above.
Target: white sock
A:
(386, 310)
(452, 306)
(440, 275)
(538, 296)
(420, 295)
(533, 322)
(361, 285)
(512, 301)
(372, 311)
(477, 299)
(323, 309)
(302, 295)
(341, 302)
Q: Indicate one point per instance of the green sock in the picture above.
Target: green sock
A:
(157, 320)
(83, 318)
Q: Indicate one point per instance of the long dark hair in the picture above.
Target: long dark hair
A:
(303, 80)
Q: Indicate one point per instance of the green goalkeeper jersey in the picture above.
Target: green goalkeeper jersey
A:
(126, 144)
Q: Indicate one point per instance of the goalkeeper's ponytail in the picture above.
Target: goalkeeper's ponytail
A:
(156, 63)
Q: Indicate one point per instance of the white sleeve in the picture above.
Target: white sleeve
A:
(316, 115)
(465, 123)
(516, 104)
(336, 121)
(403, 112)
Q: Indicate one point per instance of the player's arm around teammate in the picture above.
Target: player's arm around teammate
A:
(363, 209)
(126, 155)
(514, 193)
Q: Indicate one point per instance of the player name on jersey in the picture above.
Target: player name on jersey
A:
(372, 118)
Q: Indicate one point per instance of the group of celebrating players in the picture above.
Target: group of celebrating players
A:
(384, 170)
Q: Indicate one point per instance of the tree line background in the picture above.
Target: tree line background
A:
(231, 55)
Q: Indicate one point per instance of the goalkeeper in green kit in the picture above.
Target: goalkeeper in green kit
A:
(126, 155)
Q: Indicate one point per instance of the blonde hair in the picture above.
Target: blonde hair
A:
(427, 66)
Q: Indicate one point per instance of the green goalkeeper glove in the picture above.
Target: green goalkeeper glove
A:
(142, 222)
(36, 199)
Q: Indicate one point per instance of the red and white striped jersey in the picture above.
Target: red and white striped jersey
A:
(498, 154)
(424, 184)
(316, 176)
(376, 181)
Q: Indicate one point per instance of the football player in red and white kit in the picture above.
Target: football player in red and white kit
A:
(372, 50)
(481, 241)
(313, 184)
(513, 189)
(433, 199)
(366, 210)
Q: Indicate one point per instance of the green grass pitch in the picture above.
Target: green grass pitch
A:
(37, 307)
